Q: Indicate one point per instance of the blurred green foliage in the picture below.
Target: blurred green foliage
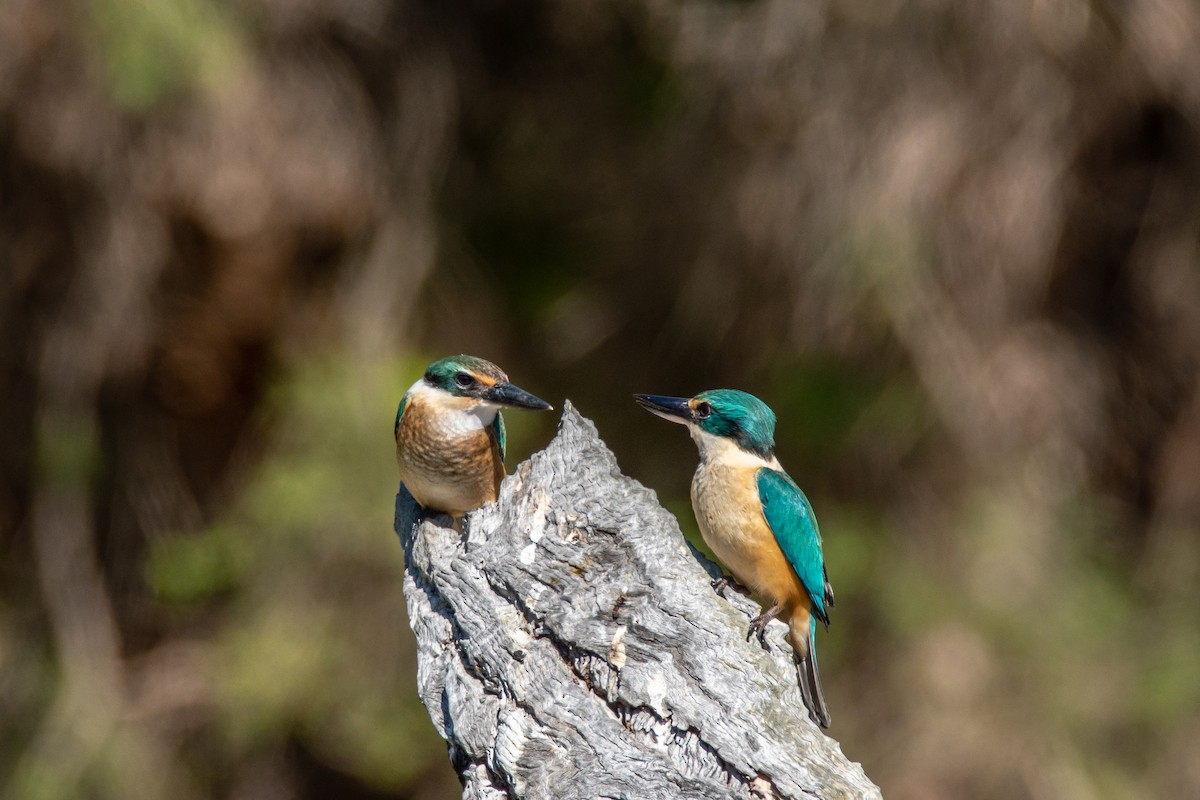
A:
(68, 454)
(301, 581)
(154, 48)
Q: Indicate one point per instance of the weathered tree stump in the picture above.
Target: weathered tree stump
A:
(570, 645)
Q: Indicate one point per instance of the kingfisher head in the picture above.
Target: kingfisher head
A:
(474, 381)
(722, 414)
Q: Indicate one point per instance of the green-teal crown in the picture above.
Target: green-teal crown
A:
(444, 372)
(739, 416)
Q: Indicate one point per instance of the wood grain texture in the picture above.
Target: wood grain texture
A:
(570, 646)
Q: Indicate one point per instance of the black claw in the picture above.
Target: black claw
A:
(727, 582)
(759, 625)
(761, 632)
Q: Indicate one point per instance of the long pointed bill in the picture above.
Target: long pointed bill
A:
(673, 409)
(505, 394)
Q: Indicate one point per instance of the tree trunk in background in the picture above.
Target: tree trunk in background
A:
(570, 646)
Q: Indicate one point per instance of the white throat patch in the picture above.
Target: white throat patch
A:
(725, 451)
(459, 413)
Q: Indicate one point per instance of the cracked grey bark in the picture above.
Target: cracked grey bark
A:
(570, 645)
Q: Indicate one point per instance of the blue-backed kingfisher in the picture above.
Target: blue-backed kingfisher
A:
(450, 434)
(756, 519)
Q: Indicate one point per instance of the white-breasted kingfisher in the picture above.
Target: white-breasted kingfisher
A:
(756, 520)
(450, 433)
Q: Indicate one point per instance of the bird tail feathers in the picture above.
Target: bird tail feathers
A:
(810, 682)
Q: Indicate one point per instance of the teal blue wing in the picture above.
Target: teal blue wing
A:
(498, 431)
(795, 527)
(399, 411)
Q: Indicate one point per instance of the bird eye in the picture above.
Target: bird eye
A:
(702, 411)
(464, 380)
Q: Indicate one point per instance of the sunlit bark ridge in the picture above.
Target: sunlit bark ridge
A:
(570, 645)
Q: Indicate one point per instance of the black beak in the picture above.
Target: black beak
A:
(505, 394)
(675, 409)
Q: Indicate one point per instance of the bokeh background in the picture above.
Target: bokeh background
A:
(954, 245)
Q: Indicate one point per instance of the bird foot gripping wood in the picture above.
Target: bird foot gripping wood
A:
(729, 582)
(758, 626)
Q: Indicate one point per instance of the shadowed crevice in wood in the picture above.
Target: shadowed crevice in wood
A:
(570, 646)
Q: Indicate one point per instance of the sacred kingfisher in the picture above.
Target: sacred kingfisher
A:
(756, 519)
(450, 434)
